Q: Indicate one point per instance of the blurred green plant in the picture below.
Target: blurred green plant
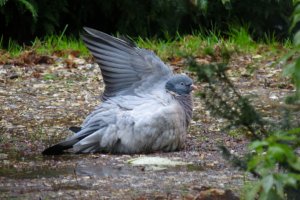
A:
(23, 20)
(272, 156)
(277, 165)
(240, 35)
(22, 6)
(223, 100)
(292, 59)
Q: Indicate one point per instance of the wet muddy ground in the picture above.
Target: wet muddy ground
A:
(39, 102)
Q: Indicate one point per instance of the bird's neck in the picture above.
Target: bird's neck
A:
(187, 104)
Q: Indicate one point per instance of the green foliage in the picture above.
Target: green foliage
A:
(47, 77)
(53, 43)
(49, 45)
(22, 19)
(240, 36)
(14, 48)
(22, 6)
(222, 99)
(274, 158)
(271, 158)
(26, 19)
(200, 43)
(277, 164)
(292, 59)
(3, 2)
(29, 6)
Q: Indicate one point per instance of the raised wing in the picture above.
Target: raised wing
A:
(123, 65)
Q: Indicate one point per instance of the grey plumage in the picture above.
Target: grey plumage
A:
(145, 107)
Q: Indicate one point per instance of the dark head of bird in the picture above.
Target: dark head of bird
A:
(180, 84)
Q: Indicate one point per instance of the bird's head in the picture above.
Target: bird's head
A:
(180, 84)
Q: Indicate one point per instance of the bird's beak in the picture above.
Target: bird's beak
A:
(194, 87)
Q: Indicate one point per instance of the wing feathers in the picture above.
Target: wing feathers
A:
(95, 45)
(123, 65)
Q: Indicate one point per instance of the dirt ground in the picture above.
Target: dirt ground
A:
(40, 100)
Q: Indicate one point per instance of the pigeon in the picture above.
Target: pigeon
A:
(145, 106)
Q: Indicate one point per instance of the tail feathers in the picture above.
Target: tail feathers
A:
(87, 148)
(89, 144)
(75, 129)
(59, 148)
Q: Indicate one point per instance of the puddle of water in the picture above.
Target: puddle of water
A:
(82, 168)
(90, 169)
(34, 173)
(19, 166)
(18, 157)
(85, 169)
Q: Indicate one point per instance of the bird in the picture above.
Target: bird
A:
(145, 107)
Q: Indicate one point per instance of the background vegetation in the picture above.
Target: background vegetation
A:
(23, 20)
(272, 154)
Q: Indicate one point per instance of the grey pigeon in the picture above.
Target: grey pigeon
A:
(145, 107)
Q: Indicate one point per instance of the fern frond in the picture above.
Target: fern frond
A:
(3, 2)
(30, 7)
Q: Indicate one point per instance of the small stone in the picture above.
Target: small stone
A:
(13, 76)
(256, 56)
(273, 97)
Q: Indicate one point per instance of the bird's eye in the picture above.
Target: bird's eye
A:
(182, 83)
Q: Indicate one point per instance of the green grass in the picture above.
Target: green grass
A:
(13, 48)
(240, 37)
(181, 46)
(54, 43)
(48, 45)
(198, 44)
